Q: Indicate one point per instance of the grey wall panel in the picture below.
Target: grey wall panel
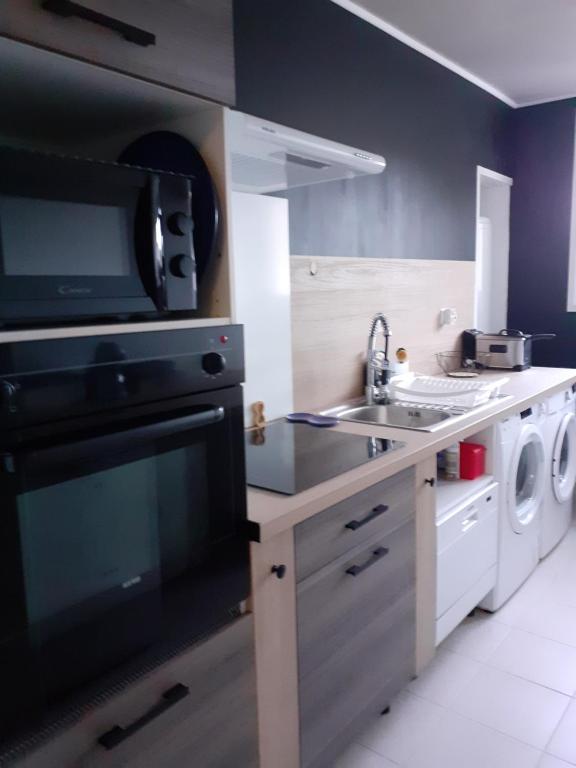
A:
(543, 152)
(314, 66)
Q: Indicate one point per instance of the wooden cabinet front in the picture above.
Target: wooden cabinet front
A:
(356, 617)
(380, 508)
(214, 726)
(185, 44)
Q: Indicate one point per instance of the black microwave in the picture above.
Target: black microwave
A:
(83, 239)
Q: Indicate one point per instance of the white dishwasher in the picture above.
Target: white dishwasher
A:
(467, 547)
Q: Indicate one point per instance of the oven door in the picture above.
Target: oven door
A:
(77, 238)
(118, 542)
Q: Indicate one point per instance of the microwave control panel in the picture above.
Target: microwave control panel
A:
(178, 242)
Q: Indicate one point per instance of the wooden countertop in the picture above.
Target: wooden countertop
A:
(275, 512)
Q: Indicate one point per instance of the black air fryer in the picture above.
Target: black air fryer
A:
(469, 344)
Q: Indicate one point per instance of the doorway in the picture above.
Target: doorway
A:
(492, 249)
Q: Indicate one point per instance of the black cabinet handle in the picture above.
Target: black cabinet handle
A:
(117, 734)
(431, 481)
(279, 570)
(377, 555)
(67, 8)
(353, 525)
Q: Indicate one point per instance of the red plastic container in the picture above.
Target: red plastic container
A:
(472, 460)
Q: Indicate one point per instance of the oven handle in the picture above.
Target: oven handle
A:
(78, 449)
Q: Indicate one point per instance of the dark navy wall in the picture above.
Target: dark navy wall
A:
(543, 154)
(312, 65)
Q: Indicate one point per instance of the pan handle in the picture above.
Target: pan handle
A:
(542, 336)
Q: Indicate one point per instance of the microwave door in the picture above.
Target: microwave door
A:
(73, 238)
(103, 527)
(149, 242)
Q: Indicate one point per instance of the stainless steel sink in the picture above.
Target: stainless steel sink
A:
(411, 417)
(419, 417)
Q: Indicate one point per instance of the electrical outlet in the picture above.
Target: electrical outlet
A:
(448, 316)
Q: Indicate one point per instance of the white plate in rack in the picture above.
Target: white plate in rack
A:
(442, 390)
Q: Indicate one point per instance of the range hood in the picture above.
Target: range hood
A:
(267, 157)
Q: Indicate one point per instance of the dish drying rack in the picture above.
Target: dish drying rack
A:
(435, 390)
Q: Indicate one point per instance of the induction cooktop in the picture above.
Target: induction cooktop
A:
(289, 458)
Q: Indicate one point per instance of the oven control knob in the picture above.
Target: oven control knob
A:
(179, 223)
(181, 265)
(213, 363)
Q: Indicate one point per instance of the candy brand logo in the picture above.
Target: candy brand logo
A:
(131, 582)
(72, 290)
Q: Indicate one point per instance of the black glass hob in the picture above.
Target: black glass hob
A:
(289, 458)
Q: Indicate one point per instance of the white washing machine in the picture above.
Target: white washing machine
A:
(520, 468)
(560, 443)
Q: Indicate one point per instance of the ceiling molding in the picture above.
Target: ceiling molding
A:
(549, 100)
(376, 21)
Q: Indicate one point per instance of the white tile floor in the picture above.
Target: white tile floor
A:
(501, 692)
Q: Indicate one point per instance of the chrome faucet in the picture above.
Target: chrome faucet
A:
(377, 363)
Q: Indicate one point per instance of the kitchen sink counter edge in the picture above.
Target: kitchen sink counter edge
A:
(274, 513)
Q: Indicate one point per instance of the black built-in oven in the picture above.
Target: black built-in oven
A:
(122, 524)
(82, 239)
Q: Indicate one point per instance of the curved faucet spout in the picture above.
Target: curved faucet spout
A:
(379, 319)
(377, 363)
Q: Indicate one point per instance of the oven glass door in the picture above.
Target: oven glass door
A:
(117, 542)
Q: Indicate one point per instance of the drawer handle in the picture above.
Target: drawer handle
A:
(377, 555)
(470, 522)
(117, 734)
(67, 8)
(353, 525)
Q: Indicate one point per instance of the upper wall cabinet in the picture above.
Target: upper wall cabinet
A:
(186, 44)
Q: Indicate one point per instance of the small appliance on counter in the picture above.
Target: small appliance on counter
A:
(509, 348)
(289, 457)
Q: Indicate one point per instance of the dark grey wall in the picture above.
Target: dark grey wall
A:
(339, 218)
(543, 154)
(312, 65)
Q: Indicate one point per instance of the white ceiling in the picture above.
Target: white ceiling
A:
(523, 51)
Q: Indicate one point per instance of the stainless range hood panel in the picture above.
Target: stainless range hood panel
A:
(267, 157)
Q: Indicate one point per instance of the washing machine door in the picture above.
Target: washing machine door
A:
(564, 459)
(526, 482)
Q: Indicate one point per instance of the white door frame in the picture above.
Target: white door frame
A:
(499, 179)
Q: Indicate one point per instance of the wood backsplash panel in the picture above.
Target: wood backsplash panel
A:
(332, 311)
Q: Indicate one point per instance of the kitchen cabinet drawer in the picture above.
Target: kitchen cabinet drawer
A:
(214, 726)
(187, 44)
(380, 508)
(334, 604)
(352, 687)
